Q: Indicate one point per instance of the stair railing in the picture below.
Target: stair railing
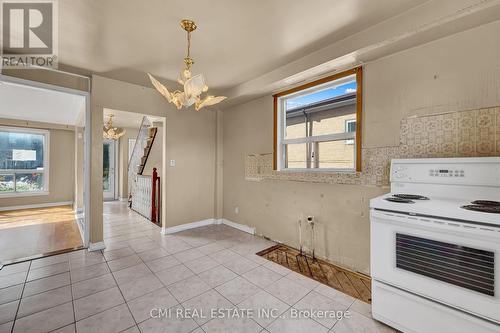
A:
(147, 199)
(137, 153)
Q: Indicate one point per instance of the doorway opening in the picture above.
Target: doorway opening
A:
(44, 171)
(132, 168)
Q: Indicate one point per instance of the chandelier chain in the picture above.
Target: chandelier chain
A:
(194, 86)
(189, 44)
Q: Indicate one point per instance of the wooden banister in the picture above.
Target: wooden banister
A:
(154, 196)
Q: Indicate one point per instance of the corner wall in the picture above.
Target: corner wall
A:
(457, 73)
(188, 188)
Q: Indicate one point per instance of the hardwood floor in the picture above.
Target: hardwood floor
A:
(354, 284)
(30, 232)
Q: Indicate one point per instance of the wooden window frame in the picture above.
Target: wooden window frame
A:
(358, 71)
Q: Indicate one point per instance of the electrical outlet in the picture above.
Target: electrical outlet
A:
(236, 210)
(172, 163)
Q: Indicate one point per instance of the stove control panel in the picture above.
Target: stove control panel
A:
(480, 171)
(447, 172)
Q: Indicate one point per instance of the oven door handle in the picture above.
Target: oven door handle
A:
(425, 223)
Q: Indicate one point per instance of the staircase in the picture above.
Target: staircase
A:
(140, 154)
(147, 149)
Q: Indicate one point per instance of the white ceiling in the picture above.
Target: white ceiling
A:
(35, 104)
(235, 41)
(250, 48)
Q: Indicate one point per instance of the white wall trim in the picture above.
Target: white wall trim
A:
(187, 226)
(123, 199)
(193, 225)
(238, 226)
(81, 226)
(42, 205)
(97, 246)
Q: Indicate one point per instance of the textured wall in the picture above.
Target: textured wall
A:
(453, 134)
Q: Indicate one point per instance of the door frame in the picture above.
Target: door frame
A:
(85, 233)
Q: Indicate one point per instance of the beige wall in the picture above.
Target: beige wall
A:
(56, 78)
(188, 191)
(130, 133)
(61, 166)
(457, 73)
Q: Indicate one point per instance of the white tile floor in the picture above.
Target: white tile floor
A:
(213, 267)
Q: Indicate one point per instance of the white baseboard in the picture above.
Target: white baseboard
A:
(97, 246)
(238, 226)
(42, 205)
(123, 199)
(187, 226)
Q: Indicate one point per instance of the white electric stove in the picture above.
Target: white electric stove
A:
(435, 246)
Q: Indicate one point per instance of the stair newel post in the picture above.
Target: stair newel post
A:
(154, 178)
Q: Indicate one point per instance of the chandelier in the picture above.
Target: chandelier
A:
(110, 132)
(194, 86)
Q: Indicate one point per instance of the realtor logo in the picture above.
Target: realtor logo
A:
(29, 33)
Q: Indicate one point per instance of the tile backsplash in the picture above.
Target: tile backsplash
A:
(455, 134)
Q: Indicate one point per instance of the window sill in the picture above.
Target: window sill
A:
(23, 194)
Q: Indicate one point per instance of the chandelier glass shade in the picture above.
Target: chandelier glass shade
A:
(194, 86)
(110, 132)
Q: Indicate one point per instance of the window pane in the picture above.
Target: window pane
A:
(21, 150)
(28, 182)
(350, 126)
(105, 176)
(6, 183)
(295, 126)
(335, 155)
(322, 111)
(296, 155)
(333, 119)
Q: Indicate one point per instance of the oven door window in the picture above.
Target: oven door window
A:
(462, 266)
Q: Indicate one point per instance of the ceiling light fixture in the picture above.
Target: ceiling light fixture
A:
(110, 132)
(194, 86)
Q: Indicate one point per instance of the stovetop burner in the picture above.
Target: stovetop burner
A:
(486, 203)
(410, 196)
(399, 200)
(483, 208)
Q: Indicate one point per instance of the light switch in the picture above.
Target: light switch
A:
(172, 163)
